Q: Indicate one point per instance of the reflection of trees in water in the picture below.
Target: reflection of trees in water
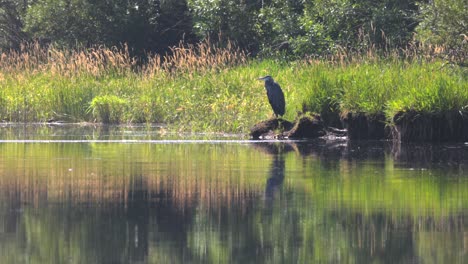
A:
(119, 232)
(379, 237)
(151, 226)
(432, 155)
(164, 224)
(283, 237)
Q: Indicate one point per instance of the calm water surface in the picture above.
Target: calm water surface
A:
(135, 195)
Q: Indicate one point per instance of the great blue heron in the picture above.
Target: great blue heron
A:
(275, 95)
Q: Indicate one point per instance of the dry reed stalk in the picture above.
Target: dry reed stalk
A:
(98, 61)
(202, 57)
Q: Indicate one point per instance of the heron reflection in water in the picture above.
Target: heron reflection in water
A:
(276, 178)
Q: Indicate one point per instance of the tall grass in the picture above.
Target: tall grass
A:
(207, 88)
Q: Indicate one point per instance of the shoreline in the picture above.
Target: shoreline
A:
(411, 126)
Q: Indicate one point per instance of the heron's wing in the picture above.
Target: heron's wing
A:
(281, 100)
(276, 98)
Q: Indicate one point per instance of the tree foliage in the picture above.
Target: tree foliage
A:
(11, 23)
(227, 20)
(356, 24)
(266, 27)
(145, 25)
(444, 22)
(305, 27)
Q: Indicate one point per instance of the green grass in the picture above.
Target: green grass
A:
(224, 97)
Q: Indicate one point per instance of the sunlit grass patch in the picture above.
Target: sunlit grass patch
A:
(432, 88)
(208, 88)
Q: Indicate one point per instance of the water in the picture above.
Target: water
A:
(135, 195)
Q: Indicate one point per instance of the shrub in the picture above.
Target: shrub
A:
(108, 108)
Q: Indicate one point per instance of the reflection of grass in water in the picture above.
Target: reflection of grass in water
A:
(221, 174)
(216, 174)
(380, 187)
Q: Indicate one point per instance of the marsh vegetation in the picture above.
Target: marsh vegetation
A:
(209, 88)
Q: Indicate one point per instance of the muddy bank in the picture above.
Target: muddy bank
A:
(304, 127)
(271, 128)
(412, 126)
(431, 127)
(364, 126)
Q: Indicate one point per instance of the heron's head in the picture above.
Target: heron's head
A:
(266, 78)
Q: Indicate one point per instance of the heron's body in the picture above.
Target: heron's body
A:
(275, 95)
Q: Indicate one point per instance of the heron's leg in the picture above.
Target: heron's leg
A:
(280, 123)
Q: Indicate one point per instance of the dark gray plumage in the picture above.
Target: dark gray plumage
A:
(275, 95)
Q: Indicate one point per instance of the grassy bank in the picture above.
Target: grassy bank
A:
(203, 88)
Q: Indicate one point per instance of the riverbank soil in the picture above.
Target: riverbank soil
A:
(305, 126)
(411, 126)
(270, 128)
(414, 126)
(364, 126)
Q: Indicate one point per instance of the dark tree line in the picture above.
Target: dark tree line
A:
(259, 26)
(145, 25)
